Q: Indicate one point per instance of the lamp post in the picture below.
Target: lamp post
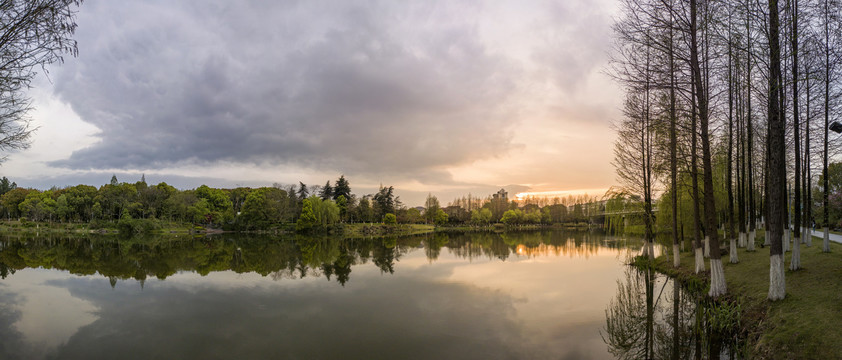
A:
(835, 127)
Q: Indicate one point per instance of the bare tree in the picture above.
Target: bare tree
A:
(776, 196)
(33, 34)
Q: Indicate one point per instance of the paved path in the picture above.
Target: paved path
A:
(833, 237)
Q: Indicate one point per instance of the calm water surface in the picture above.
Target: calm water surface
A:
(541, 295)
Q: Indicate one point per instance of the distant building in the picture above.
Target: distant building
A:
(499, 204)
(501, 195)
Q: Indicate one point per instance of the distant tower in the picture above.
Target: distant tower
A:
(499, 204)
(502, 195)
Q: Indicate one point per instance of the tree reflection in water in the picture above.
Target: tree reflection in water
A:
(651, 317)
(290, 257)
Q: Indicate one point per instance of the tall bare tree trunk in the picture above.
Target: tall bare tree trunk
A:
(808, 218)
(752, 218)
(776, 197)
(676, 258)
(694, 174)
(795, 264)
(717, 281)
(730, 181)
(826, 216)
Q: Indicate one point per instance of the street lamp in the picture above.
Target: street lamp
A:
(836, 127)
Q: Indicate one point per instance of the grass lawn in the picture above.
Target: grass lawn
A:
(805, 324)
(361, 230)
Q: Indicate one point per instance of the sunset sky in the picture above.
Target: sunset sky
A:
(448, 97)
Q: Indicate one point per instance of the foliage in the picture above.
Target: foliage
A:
(307, 220)
(481, 216)
(264, 207)
(317, 214)
(390, 219)
(512, 217)
(441, 217)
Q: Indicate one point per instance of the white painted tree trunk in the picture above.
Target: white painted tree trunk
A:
(805, 234)
(707, 246)
(648, 250)
(777, 282)
(795, 264)
(676, 256)
(742, 242)
(717, 278)
(700, 261)
(826, 242)
(733, 252)
(809, 239)
(766, 240)
(751, 236)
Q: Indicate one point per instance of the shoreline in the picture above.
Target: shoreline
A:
(797, 327)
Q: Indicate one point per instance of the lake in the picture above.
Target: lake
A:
(517, 295)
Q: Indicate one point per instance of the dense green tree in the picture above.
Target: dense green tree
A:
(384, 201)
(6, 186)
(481, 216)
(11, 201)
(365, 212)
(390, 219)
(512, 217)
(38, 206)
(63, 209)
(441, 217)
(81, 199)
(219, 207)
(264, 207)
(410, 216)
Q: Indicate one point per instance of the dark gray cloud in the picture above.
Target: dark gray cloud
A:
(371, 87)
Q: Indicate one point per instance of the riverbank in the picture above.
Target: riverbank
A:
(803, 325)
(347, 230)
(358, 230)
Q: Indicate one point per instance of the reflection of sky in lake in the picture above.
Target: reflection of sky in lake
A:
(547, 305)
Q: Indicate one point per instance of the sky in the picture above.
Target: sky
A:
(441, 97)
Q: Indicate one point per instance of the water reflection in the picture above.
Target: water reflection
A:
(283, 258)
(652, 317)
(538, 295)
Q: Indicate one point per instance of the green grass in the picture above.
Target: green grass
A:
(376, 229)
(802, 326)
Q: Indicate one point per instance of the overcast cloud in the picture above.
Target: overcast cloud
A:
(402, 91)
(367, 87)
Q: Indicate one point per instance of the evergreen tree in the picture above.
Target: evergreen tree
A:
(342, 188)
(327, 191)
(303, 193)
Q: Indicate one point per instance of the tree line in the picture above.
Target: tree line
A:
(302, 207)
(726, 117)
